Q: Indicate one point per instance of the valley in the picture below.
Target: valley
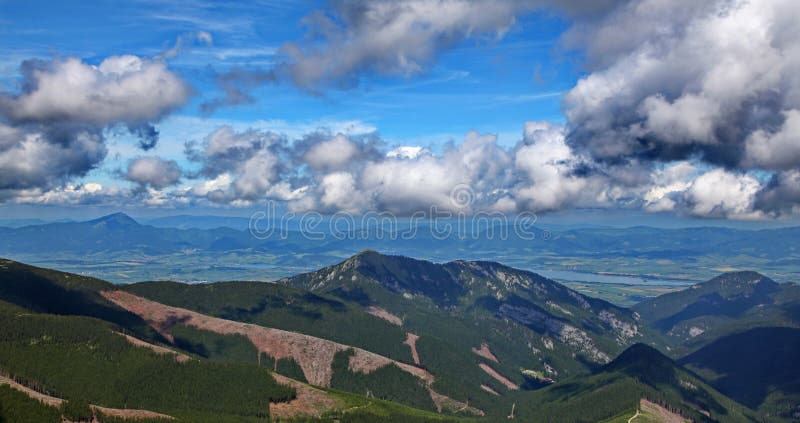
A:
(623, 266)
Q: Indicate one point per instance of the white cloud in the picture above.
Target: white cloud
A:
(31, 159)
(339, 193)
(334, 153)
(53, 130)
(719, 193)
(241, 165)
(88, 193)
(122, 89)
(776, 150)
(407, 152)
(153, 171)
(679, 79)
(668, 186)
(547, 164)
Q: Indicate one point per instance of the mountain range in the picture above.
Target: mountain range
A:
(120, 249)
(383, 337)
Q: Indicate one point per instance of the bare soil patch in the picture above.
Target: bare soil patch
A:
(38, 396)
(411, 341)
(500, 378)
(128, 413)
(310, 401)
(485, 352)
(659, 413)
(489, 389)
(385, 315)
(179, 357)
(445, 403)
(124, 413)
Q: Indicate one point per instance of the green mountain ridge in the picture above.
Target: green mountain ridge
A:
(729, 303)
(481, 328)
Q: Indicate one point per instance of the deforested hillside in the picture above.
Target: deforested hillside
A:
(185, 374)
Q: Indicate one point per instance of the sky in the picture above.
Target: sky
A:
(674, 109)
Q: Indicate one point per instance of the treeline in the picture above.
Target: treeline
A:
(53, 292)
(16, 407)
(367, 417)
(387, 383)
(81, 359)
(214, 346)
(282, 307)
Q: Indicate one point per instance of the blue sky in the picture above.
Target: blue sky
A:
(573, 69)
(486, 85)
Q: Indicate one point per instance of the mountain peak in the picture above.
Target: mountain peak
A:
(733, 284)
(637, 353)
(366, 254)
(742, 276)
(115, 219)
(644, 362)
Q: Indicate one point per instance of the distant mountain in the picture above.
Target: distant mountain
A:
(729, 303)
(199, 222)
(113, 233)
(113, 221)
(172, 247)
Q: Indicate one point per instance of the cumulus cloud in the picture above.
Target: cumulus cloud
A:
(671, 80)
(153, 171)
(668, 187)
(45, 157)
(238, 165)
(407, 152)
(776, 150)
(52, 129)
(325, 172)
(719, 193)
(782, 194)
(683, 80)
(122, 89)
(549, 169)
(339, 192)
(334, 153)
(692, 189)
